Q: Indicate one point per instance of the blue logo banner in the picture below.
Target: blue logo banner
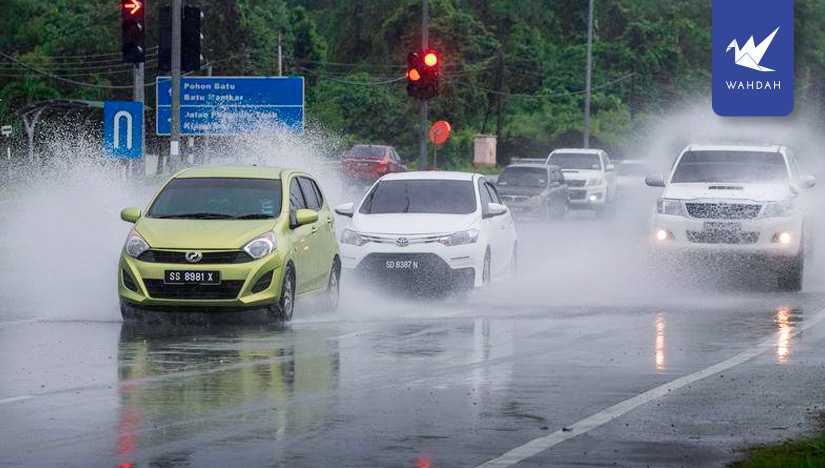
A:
(753, 63)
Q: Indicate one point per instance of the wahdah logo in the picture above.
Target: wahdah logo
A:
(754, 78)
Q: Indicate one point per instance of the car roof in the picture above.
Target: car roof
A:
(577, 150)
(430, 175)
(240, 172)
(534, 165)
(370, 146)
(752, 148)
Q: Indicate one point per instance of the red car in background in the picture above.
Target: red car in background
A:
(367, 163)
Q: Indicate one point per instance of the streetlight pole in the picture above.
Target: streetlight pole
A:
(588, 80)
(425, 43)
(174, 140)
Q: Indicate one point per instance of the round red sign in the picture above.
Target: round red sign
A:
(440, 132)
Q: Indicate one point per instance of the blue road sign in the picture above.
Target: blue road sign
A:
(222, 105)
(123, 129)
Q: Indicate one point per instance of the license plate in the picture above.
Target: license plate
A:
(711, 226)
(191, 277)
(401, 264)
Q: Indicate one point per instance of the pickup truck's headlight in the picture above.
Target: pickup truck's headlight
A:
(135, 245)
(469, 236)
(777, 209)
(669, 206)
(348, 236)
(261, 246)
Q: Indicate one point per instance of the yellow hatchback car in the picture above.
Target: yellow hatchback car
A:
(219, 239)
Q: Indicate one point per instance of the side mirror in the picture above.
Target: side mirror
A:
(130, 215)
(347, 209)
(495, 209)
(305, 216)
(654, 181)
(808, 181)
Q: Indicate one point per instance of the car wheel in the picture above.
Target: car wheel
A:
(791, 273)
(556, 211)
(486, 271)
(285, 306)
(334, 286)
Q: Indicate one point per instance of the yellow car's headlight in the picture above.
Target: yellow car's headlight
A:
(135, 244)
(261, 246)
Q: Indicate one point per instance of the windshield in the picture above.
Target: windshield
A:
(421, 196)
(366, 152)
(218, 198)
(575, 160)
(523, 177)
(730, 166)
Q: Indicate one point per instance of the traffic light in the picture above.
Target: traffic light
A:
(191, 41)
(133, 30)
(423, 70)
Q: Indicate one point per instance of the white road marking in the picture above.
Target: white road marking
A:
(17, 398)
(540, 444)
(19, 322)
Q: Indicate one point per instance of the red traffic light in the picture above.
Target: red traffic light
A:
(132, 6)
(430, 59)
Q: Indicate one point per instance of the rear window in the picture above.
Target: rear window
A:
(218, 198)
(421, 196)
(577, 161)
(730, 166)
(367, 152)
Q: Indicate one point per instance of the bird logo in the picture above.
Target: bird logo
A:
(751, 54)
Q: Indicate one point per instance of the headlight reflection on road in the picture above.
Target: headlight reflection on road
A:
(784, 324)
(660, 342)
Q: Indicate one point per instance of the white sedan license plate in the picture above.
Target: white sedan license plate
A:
(191, 277)
(401, 265)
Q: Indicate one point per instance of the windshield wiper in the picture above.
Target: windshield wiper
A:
(197, 216)
(254, 216)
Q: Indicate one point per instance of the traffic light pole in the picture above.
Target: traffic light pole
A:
(174, 140)
(139, 95)
(588, 80)
(425, 43)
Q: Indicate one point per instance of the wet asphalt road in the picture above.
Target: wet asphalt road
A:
(445, 382)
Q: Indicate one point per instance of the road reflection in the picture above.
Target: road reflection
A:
(660, 342)
(784, 320)
(229, 383)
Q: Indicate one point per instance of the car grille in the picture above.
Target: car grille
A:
(722, 237)
(226, 290)
(723, 210)
(209, 258)
(576, 194)
(576, 183)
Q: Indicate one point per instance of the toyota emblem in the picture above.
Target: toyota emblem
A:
(194, 256)
(402, 242)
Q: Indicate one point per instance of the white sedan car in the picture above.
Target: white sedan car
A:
(432, 229)
(736, 200)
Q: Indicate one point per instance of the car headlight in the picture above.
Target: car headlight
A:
(777, 209)
(135, 244)
(669, 206)
(348, 236)
(261, 246)
(594, 182)
(470, 236)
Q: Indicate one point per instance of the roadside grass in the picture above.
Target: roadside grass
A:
(804, 453)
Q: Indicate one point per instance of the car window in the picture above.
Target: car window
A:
(296, 197)
(484, 196)
(730, 166)
(420, 196)
(218, 198)
(318, 194)
(575, 161)
(493, 192)
(394, 155)
(310, 196)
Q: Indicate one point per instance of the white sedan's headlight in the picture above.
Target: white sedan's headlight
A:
(348, 236)
(669, 206)
(777, 209)
(470, 236)
(594, 182)
(261, 246)
(135, 244)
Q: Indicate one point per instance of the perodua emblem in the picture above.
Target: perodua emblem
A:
(194, 256)
(402, 242)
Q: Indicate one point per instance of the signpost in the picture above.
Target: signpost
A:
(123, 129)
(6, 131)
(222, 105)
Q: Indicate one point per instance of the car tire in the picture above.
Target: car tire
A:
(486, 270)
(791, 274)
(555, 212)
(333, 295)
(285, 307)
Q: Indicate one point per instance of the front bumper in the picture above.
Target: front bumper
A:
(433, 264)
(527, 210)
(587, 197)
(758, 237)
(146, 287)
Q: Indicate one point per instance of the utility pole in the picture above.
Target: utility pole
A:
(425, 44)
(139, 95)
(588, 80)
(174, 140)
(280, 56)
